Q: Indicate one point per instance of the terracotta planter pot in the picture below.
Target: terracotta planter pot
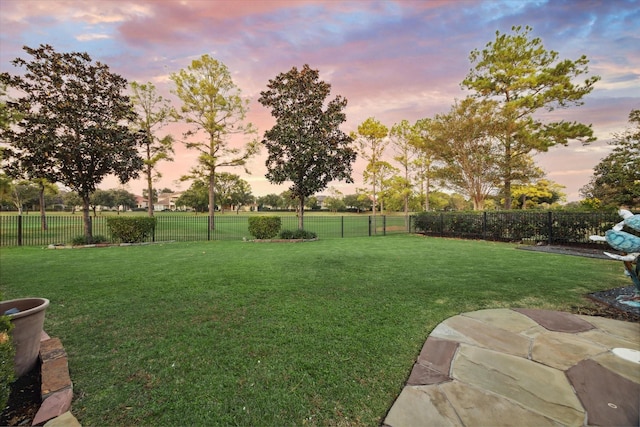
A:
(27, 329)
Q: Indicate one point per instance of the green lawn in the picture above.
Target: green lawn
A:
(264, 334)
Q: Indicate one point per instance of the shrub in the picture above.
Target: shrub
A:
(264, 227)
(7, 353)
(131, 229)
(82, 240)
(298, 234)
(427, 222)
(286, 234)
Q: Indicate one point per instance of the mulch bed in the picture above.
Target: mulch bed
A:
(24, 400)
(606, 303)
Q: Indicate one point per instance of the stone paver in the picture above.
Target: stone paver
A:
(523, 367)
(629, 331)
(609, 399)
(419, 406)
(620, 366)
(526, 382)
(53, 406)
(434, 362)
(562, 351)
(476, 407)
(505, 319)
(64, 420)
(488, 336)
(557, 321)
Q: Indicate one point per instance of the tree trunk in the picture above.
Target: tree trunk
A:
(212, 199)
(426, 202)
(373, 204)
(507, 175)
(301, 215)
(86, 219)
(43, 215)
(149, 189)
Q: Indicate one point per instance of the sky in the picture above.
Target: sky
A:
(392, 60)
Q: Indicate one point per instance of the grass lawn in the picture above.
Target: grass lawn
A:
(234, 333)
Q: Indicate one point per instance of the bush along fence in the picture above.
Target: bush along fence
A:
(529, 227)
(25, 230)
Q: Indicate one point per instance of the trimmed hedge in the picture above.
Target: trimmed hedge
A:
(131, 229)
(297, 234)
(552, 227)
(264, 227)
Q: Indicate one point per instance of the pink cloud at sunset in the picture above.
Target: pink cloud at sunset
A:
(392, 60)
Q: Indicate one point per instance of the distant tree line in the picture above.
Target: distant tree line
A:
(70, 121)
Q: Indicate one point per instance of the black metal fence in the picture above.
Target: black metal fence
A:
(26, 230)
(552, 227)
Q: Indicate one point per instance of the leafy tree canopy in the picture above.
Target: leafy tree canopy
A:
(154, 113)
(212, 105)
(73, 126)
(517, 71)
(616, 179)
(306, 145)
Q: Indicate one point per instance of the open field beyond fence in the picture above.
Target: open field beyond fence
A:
(26, 229)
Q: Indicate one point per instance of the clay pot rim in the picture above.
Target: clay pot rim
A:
(40, 304)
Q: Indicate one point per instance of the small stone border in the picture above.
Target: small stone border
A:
(280, 240)
(104, 245)
(56, 390)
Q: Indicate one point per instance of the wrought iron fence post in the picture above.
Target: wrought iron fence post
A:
(484, 225)
(550, 226)
(441, 224)
(369, 225)
(384, 225)
(19, 230)
(342, 226)
(208, 227)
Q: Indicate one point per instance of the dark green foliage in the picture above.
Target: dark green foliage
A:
(427, 222)
(306, 145)
(82, 240)
(131, 229)
(517, 226)
(264, 227)
(74, 123)
(7, 353)
(297, 234)
(616, 179)
(523, 77)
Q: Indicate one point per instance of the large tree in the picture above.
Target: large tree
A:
(232, 191)
(154, 112)
(371, 139)
(73, 126)
(404, 140)
(195, 197)
(306, 145)
(463, 141)
(424, 164)
(524, 77)
(616, 179)
(214, 108)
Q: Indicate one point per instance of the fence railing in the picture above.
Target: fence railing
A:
(26, 230)
(552, 227)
